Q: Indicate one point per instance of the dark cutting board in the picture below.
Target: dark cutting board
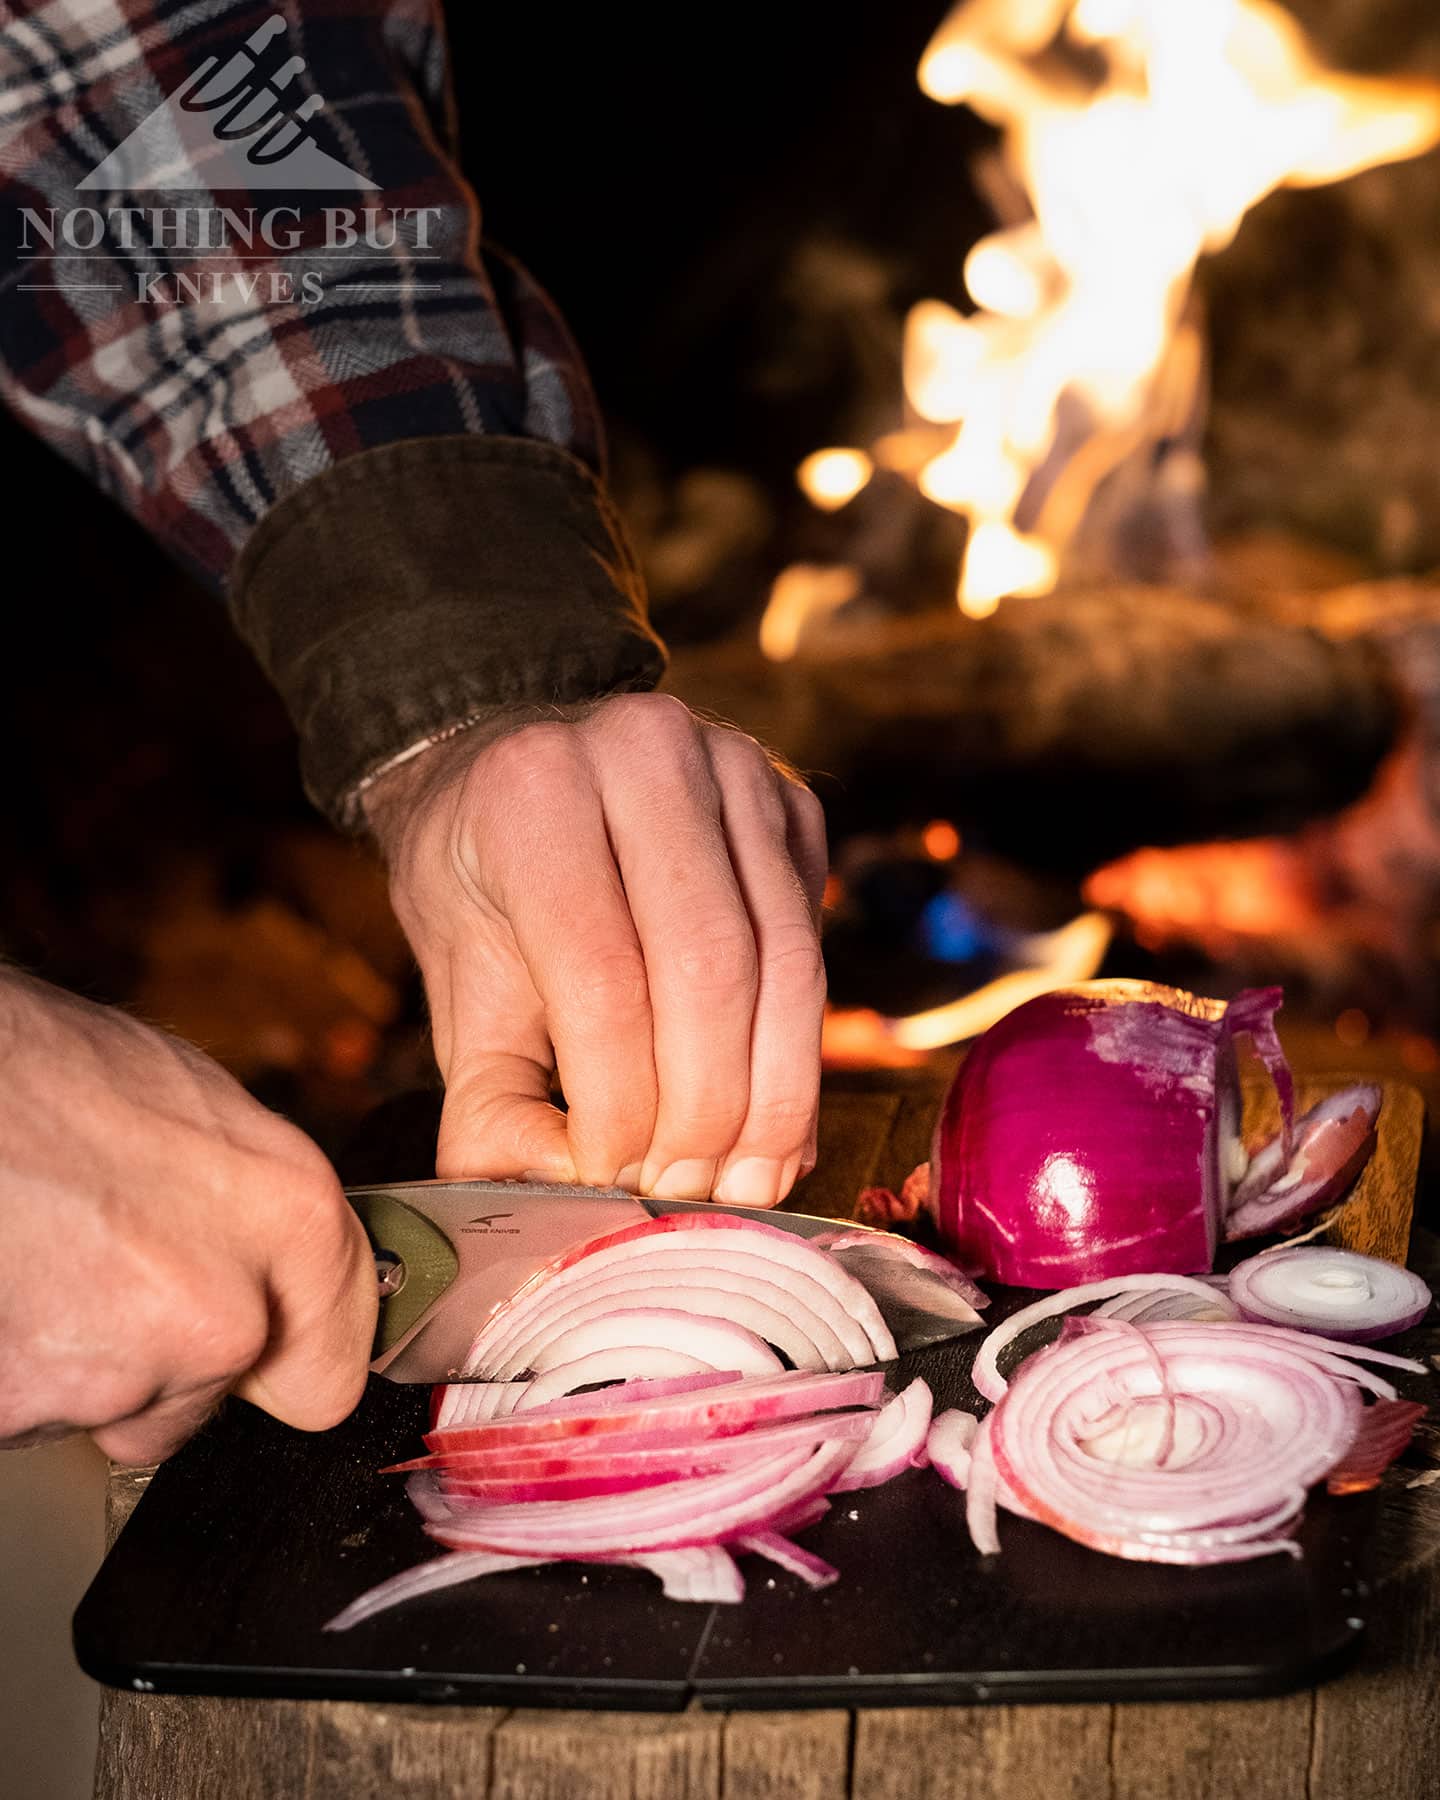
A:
(254, 1535)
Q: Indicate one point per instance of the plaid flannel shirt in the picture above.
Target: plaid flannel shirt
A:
(376, 439)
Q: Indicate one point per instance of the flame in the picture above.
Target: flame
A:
(800, 592)
(1141, 132)
(832, 478)
(857, 1037)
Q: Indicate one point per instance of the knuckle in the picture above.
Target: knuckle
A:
(718, 962)
(781, 1122)
(535, 756)
(610, 984)
(795, 964)
(661, 718)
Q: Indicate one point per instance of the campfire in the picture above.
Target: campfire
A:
(1058, 407)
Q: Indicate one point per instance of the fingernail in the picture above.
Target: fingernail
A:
(684, 1181)
(629, 1177)
(752, 1181)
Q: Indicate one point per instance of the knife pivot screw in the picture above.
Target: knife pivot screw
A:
(390, 1273)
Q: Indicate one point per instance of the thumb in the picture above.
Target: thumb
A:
(323, 1302)
(498, 1121)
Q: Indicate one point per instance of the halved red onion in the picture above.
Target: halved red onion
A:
(896, 1434)
(1088, 1133)
(1341, 1293)
(986, 1371)
(736, 1406)
(1333, 1142)
(1178, 1442)
(810, 1277)
(949, 1443)
(706, 1510)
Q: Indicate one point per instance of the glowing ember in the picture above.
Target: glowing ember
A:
(941, 840)
(799, 593)
(830, 479)
(1141, 132)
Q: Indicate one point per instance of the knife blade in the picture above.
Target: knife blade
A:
(448, 1252)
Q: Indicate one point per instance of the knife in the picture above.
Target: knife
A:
(448, 1252)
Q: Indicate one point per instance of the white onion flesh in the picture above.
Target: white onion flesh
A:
(1182, 1441)
(986, 1373)
(1338, 1292)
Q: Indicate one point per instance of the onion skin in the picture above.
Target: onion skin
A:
(1081, 1137)
(1332, 1145)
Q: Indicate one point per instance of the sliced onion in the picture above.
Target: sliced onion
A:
(705, 1573)
(623, 1363)
(731, 1408)
(639, 1330)
(469, 1402)
(1385, 1430)
(707, 1510)
(426, 1578)
(1341, 1293)
(789, 1262)
(949, 1444)
(813, 1570)
(1148, 1308)
(1333, 1142)
(923, 1298)
(986, 1373)
(1180, 1442)
(896, 1434)
(596, 1471)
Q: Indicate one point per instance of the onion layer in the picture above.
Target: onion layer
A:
(1180, 1442)
(1338, 1292)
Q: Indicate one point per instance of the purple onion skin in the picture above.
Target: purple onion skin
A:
(1080, 1137)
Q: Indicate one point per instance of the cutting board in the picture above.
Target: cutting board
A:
(255, 1535)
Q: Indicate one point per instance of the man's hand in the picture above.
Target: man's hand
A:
(165, 1239)
(631, 895)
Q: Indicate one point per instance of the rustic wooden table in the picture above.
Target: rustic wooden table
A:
(1373, 1734)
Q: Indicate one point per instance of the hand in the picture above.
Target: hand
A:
(166, 1239)
(629, 894)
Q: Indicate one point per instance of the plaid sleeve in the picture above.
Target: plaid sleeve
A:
(242, 287)
(236, 252)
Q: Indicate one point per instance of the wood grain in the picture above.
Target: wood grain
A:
(1004, 1753)
(785, 1755)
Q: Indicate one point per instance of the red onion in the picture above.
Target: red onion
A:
(676, 1417)
(896, 1436)
(1086, 1134)
(923, 1298)
(1338, 1292)
(731, 1268)
(986, 1371)
(948, 1446)
(1333, 1142)
(811, 1569)
(1180, 1441)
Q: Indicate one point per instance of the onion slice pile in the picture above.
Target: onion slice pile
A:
(1338, 1292)
(724, 1291)
(669, 1475)
(1182, 1441)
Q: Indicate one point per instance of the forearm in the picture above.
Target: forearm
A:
(386, 454)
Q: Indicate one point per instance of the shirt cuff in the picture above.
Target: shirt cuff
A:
(427, 585)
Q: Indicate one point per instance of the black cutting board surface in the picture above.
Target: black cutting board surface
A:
(255, 1535)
